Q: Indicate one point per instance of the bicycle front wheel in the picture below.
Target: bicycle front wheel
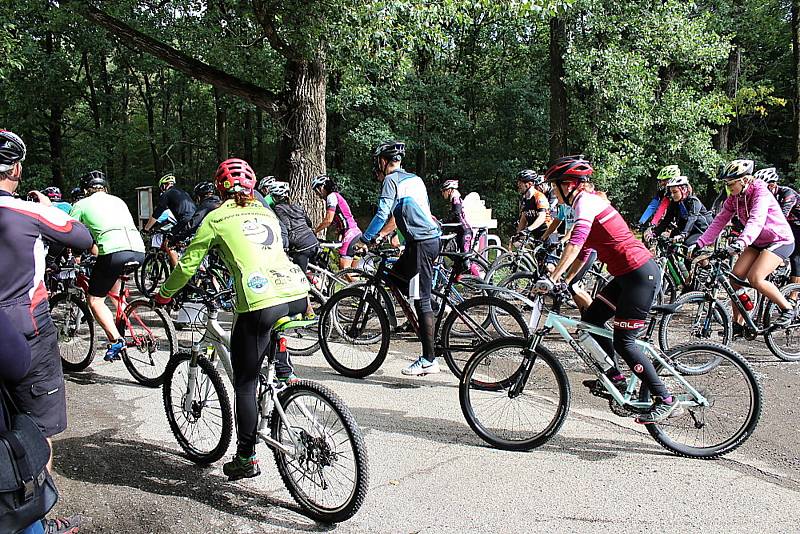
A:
(328, 475)
(202, 424)
(511, 400)
(785, 342)
(75, 326)
(354, 332)
(731, 409)
(151, 341)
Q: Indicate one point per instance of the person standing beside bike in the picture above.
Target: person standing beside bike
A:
(23, 296)
(179, 203)
(268, 287)
(534, 207)
(403, 196)
(117, 243)
(789, 201)
(765, 242)
(337, 213)
(629, 296)
(456, 215)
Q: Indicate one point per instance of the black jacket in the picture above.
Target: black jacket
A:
(694, 218)
(295, 227)
(207, 205)
(179, 203)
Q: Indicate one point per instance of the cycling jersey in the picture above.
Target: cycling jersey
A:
(404, 195)
(456, 214)
(179, 203)
(108, 219)
(565, 214)
(342, 216)
(249, 243)
(207, 205)
(66, 207)
(295, 227)
(764, 223)
(600, 227)
(532, 203)
(789, 201)
(690, 216)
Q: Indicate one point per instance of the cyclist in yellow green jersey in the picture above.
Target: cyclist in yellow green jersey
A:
(268, 287)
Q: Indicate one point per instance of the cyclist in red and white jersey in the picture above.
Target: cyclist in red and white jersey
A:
(337, 213)
(629, 296)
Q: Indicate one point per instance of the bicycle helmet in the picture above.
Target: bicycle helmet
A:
(569, 169)
(235, 175)
(449, 184)
(529, 176)
(94, 180)
(678, 181)
(668, 173)
(738, 168)
(264, 184)
(53, 193)
(769, 175)
(389, 150)
(76, 194)
(324, 181)
(12, 150)
(203, 189)
(279, 190)
(167, 179)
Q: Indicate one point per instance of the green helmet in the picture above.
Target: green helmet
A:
(167, 179)
(668, 173)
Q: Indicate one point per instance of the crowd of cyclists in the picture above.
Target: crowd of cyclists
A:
(266, 242)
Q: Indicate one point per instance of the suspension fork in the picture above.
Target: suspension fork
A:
(188, 400)
(525, 370)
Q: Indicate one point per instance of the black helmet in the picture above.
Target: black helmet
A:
(93, 179)
(12, 150)
(203, 189)
(529, 176)
(76, 194)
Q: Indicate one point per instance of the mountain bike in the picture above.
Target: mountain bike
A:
(155, 267)
(701, 315)
(67, 286)
(355, 333)
(318, 447)
(515, 393)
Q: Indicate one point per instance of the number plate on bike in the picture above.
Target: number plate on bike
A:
(157, 240)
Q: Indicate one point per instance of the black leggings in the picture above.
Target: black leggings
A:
(628, 299)
(794, 259)
(250, 341)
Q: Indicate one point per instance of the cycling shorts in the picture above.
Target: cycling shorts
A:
(108, 269)
(349, 241)
(302, 257)
(782, 250)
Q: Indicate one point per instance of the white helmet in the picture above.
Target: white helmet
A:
(678, 180)
(265, 183)
(322, 180)
(279, 190)
(769, 175)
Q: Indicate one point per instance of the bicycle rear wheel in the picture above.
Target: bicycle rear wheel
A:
(732, 411)
(204, 426)
(329, 474)
(305, 341)
(504, 407)
(697, 318)
(354, 332)
(151, 342)
(475, 322)
(785, 342)
(75, 325)
(151, 273)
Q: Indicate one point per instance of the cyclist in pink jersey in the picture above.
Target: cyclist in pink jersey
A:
(765, 242)
(337, 212)
(629, 296)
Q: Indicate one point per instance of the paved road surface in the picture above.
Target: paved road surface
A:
(119, 463)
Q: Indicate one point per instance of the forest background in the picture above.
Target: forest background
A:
(477, 89)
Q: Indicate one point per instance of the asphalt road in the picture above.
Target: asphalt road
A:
(119, 463)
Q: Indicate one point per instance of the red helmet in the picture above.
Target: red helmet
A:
(235, 175)
(569, 169)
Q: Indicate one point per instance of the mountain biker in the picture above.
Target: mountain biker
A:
(456, 215)
(629, 296)
(404, 196)
(337, 213)
(268, 287)
(179, 203)
(205, 193)
(76, 194)
(658, 205)
(534, 208)
(789, 201)
(117, 243)
(686, 211)
(23, 297)
(262, 191)
(764, 244)
(54, 194)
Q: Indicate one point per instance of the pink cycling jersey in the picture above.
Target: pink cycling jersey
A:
(342, 216)
(600, 227)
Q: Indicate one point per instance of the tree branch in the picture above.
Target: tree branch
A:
(266, 18)
(194, 68)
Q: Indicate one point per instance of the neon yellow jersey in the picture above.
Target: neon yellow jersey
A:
(249, 242)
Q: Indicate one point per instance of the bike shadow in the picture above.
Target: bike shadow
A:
(596, 450)
(375, 380)
(85, 378)
(161, 471)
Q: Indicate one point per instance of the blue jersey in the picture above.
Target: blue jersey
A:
(404, 196)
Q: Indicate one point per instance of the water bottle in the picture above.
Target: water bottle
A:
(744, 298)
(591, 346)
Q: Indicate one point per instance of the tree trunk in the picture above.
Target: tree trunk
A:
(93, 105)
(247, 135)
(54, 133)
(732, 84)
(301, 149)
(559, 113)
(796, 72)
(260, 145)
(147, 97)
(222, 126)
(166, 111)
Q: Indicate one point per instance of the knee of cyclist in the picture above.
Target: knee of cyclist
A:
(758, 283)
(423, 305)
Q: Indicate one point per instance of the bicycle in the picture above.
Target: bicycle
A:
(354, 327)
(526, 385)
(71, 316)
(311, 431)
(148, 331)
(704, 313)
(155, 267)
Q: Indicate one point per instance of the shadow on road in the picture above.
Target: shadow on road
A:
(85, 378)
(103, 458)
